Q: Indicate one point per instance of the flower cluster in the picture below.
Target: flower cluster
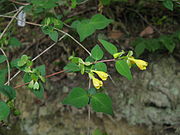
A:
(96, 82)
(140, 63)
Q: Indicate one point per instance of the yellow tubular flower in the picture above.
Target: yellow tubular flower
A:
(97, 83)
(140, 63)
(101, 74)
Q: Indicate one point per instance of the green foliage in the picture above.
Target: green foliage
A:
(39, 92)
(168, 4)
(8, 91)
(14, 42)
(168, 42)
(100, 67)
(87, 27)
(3, 73)
(4, 110)
(97, 52)
(73, 67)
(100, 102)
(33, 76)
(123, 69)
(40, 6)
(49, 26)
(98, 132)
(2, 58)
(109, 47)
(78, 97)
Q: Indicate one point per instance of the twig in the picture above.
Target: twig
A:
(19, 3)
(14, 17)
(109, 60)
(48, 48)
(11, 12)
(48, 76)
(35, 24)
(37, 57)
(8, 66)
(74, 40)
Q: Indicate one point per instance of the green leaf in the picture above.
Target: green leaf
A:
(40, 92)
(2, 58)
(100, 67)
(3, 73)
(42, 69)
(168, 4)
(123, 69)
(168, 43)
(53, 35)
(14, 63)
(14, 42)
(92, 91)
(109, 46)
(36, 86)
(99, 21)
(78, 97)
(105, 2)
(75, 24)
(89, 59)
(72, 67)
(139, 49)
(23, 60)
(8, 91)
(73, 3)
(27, 78)
(85, 29)
(4, 110)
(100, 102)
(97, 52)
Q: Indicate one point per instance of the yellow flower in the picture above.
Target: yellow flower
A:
(101, 74)
(140, 63)
(97, 83)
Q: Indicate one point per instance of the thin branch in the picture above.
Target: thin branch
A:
(74, 40)
(35, 24)
(37, 57)
(48, 48)
(109, 60)
(8, 66)
(14, 17)
(19, 3)
(47, 76)
(11, 12)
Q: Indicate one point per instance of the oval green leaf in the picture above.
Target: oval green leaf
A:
(123, 69)
(97, 52)
(100, 67)
(78, 97)
(100, 102)
(4, 110)
(109, 46)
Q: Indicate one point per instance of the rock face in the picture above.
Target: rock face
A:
(152, 99)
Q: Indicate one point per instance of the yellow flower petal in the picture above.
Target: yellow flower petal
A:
(140, 63)
(101, 74)
(97, 83)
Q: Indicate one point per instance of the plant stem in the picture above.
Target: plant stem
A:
(13, 17)
(109, 60)
(65, 33)
(8, 66)
(37, 57)
(47, 76)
